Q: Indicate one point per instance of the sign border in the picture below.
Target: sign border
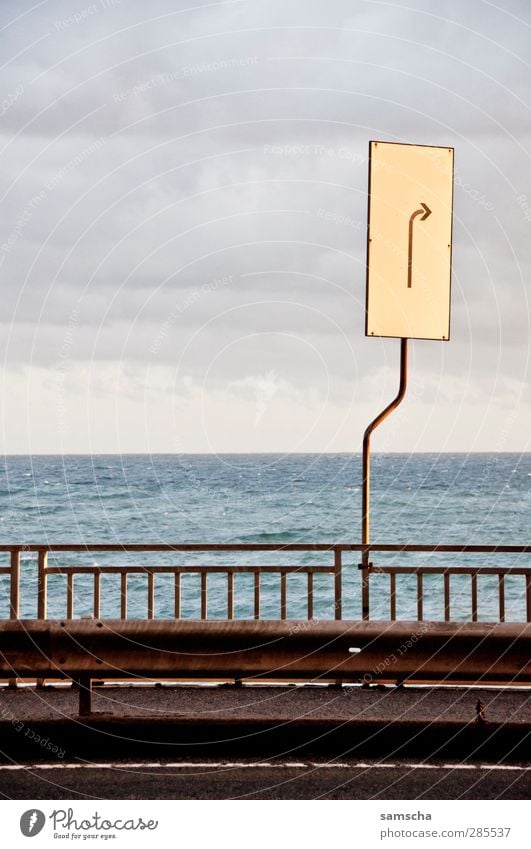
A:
(419, 338)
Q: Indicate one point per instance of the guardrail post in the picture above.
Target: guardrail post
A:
(85, 696)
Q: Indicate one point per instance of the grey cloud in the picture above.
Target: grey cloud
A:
(177, 148)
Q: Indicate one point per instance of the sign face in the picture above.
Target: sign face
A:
(409, 247)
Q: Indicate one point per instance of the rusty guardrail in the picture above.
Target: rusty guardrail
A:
(360, 652)
(335, 568)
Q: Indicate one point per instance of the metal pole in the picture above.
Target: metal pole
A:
(366, 477)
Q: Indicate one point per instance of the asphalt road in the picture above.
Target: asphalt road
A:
(308, 780)
(382, 703)
(40, 725)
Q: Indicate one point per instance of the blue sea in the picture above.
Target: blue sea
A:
(424, 498)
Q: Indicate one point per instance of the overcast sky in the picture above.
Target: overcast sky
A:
(182, 237)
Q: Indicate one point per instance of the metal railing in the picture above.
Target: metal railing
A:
(178, 571)
(336, 568)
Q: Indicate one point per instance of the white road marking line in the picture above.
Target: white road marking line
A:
(261, 765)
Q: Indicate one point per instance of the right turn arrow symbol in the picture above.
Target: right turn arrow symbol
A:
(424, 211)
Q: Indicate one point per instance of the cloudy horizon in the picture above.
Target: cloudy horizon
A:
(183, 237)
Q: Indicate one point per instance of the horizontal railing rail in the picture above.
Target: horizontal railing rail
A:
(337, 569)
(270, 546)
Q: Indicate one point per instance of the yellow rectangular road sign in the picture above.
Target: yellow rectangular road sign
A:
(409, 243)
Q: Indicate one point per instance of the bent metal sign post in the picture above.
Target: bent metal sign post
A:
(409, 254)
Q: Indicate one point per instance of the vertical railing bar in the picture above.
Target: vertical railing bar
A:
(338, 584)
(42, 585)
(14, 590)
(446, 596)
(230, 595)
(123, 595)
(365, 586)
(257, 594)
(392, 596)
(474, 595)
(70, 595)
(501, 594)
(528, 596)
(309, 602)
(204, 596)
(420, 596)
(14, 597)
(283, 595)
(151, 595)
(177, 590)
(97, 594)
